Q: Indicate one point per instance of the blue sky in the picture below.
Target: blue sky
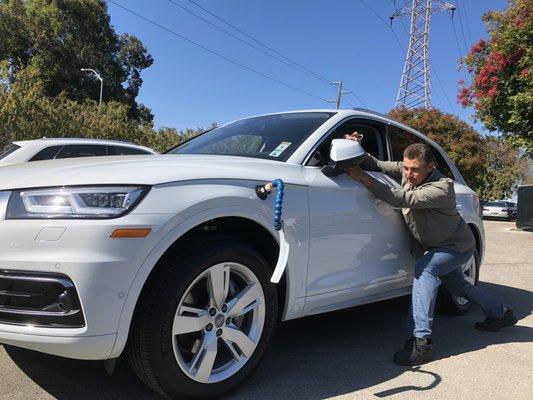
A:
(339, 40)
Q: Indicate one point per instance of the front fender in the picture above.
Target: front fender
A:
(198, 205)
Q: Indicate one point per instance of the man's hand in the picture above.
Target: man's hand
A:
(357, 173)
(355, 136)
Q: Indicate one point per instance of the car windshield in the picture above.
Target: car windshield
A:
(273, 137)
(7, 150)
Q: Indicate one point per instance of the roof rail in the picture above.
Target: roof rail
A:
(370, 111)
(89, 139)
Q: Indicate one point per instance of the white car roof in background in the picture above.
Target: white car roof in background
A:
(70, 141)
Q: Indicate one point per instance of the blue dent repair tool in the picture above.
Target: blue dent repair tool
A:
(262, 192)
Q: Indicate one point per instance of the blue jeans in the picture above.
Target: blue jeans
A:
(436, 266)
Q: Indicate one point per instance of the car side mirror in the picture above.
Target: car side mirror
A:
(343, 154)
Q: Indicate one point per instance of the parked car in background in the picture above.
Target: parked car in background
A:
(49, 149)
(168, 258)
(513, 208)
(498, 210)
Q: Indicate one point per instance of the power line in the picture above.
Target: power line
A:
(295, 65)
(297, 68)
(398, 41)
(462, 31)
(348, 101)
(441, 86)
(467, 24)
(457, 42)
(374, 12)
(259, 42)
(213, 52)
(358, 99)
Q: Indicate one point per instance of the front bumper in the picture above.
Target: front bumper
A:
(100, 268)
(73, 345)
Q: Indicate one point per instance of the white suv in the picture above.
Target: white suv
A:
(168, 258)
(49, 149)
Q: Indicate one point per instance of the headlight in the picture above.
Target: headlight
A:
(74, 202)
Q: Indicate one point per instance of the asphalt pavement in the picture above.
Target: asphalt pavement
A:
(345, 354)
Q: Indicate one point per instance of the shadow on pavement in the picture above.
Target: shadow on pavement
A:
(312, 358)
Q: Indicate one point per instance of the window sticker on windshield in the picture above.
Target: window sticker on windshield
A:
(280, 149)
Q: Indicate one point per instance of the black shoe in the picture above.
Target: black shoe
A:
(415, 352)
(495, 324)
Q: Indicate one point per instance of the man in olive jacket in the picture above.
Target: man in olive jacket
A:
(427, 199)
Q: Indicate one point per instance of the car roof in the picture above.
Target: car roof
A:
(346, 112)
(64, 141)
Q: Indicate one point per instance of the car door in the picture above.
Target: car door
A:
(359, 246)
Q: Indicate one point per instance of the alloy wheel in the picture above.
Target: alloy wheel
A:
(218, 322)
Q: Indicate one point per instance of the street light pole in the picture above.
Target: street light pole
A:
(101, 81)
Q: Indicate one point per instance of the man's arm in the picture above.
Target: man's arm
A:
(391, 168)
(370, 163)
(436, 195)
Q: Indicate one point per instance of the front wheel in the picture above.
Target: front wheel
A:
(205, 322)
(457, 305)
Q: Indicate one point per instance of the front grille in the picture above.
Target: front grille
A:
(39, 299)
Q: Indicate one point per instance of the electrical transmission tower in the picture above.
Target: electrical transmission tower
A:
(414, 88)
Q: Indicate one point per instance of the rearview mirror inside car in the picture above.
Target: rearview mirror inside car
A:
(343, 154)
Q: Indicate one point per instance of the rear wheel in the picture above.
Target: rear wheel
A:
(205, 322)
(457, 305)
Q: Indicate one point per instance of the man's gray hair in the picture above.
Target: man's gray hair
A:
(420, 151)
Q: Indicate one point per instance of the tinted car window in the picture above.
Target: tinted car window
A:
(400, 139)
(47, 153)
(372, 140)
(7, 150)
(496, 204)
(123, 151)
(273, 137)
(82, 150)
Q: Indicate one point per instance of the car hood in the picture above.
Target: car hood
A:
(145, 170)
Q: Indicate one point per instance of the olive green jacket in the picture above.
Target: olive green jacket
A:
(429, 209)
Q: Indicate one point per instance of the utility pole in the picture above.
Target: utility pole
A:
(339, 95)
(101, 81)
(415, 88)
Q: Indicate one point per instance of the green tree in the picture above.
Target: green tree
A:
(489, 165)
(56, 38)
(502, 74)
(25, 114)
(503, 171)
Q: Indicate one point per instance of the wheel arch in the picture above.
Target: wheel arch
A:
(478, 238)
(239, 223)
(243, 228)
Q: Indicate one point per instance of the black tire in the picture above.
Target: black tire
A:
(150, 352)
(448, 304)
